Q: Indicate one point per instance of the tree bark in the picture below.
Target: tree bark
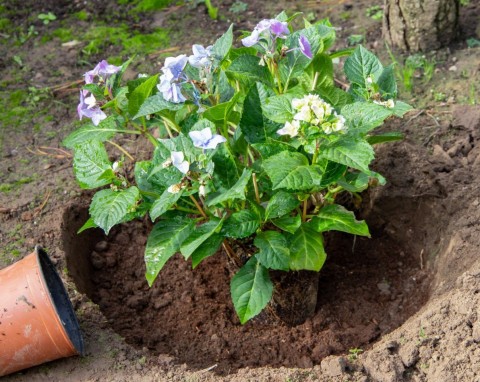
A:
(420, 25)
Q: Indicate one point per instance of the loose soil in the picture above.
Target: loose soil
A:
(408, 297)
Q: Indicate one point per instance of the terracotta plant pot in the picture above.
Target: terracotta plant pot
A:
(37, 321)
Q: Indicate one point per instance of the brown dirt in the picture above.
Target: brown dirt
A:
(409, 297)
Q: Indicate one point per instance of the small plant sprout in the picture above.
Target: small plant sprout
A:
(251, 146)
(47, 17)
(354, 353)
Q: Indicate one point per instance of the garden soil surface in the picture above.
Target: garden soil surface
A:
(403, 305)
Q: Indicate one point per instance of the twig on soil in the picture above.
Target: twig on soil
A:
(122, 150)
(342, 84)
(39, 209)
(208, 368)
(65, 86)
(421, 259)
(434, 119)
(43, 150)
(412, 118)
(167, 50)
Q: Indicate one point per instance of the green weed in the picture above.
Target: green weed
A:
(238, 7)
(354, 353)
(375, 12)
(47, 17)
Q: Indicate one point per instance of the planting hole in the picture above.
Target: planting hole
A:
(368, 287)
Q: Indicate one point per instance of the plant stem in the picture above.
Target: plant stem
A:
(199, 207)
(122, 150)
(314, 83)
(304, 214)
(231, 253)
(151, 138)
(255, 186)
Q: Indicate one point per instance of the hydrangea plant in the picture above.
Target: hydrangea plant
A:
(256, 143)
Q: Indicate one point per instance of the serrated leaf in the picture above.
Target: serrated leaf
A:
(88, 224)
(274, 252)
(247, 70)
(226, 170)
(251, 290)
(109, 207)
(306, 249)
(401, 108)
(208, 248)
(278, 108)
(353, 153)
(319, 73)
(155, 104)
(362, 64)
(223, 44)
(332, 171)
(252, 123)
(288, 223)
(385, 137)
(90, 161)
(335, 96)
(198, 236)
(234, 193)
(365, 116)
(281, 204)
(164, 203)
(387, 83)
(292, 171)
(163, 242)
(140, 94)
(241, 224)
(354, 181)
(272, 147)
(334, 217)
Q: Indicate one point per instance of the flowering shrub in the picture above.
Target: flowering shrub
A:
(257, 142)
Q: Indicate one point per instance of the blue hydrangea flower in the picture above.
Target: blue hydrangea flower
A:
(202, 57)
(204, 139)
(172, 75)
(88, 108)
(178, 161)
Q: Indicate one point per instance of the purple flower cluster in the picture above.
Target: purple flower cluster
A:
(275, 29)
(88, 106)
(103, 70)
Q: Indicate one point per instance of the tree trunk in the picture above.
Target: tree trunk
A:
(420, 25)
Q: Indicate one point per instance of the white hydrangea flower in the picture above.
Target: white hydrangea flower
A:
(311, 109)
(290, 128)
(304, 114)
(388, 103)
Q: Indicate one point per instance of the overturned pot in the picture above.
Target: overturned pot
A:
(37, 321)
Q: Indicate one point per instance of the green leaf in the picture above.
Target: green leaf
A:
(385, 137)
(362, 64)
(251, 290)
(272, 147)
(198, 236)
(236, 192)
(332, 171)
(291, 170)
(90, 161)
(241, 224)
(252, 122)
(319, 74)
(281, 204)
(106, 129)
(387, 83)
(288, 223)
(88, 224)
(400, 108)
(279, 108)
(114, 81)
(164, 203)
(109, 207)
(155, 104)
(223, 44)
(226, 170)
(163, 242)
(306, 248)
(208, 248)
(140, 94)
(247, 70)
(351, 152)
(335, 96)
(334, 217)
(220, 113)
(354, 182)
(365, 116)
(274, 252)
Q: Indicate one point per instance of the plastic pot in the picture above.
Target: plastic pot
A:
(37, 321)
